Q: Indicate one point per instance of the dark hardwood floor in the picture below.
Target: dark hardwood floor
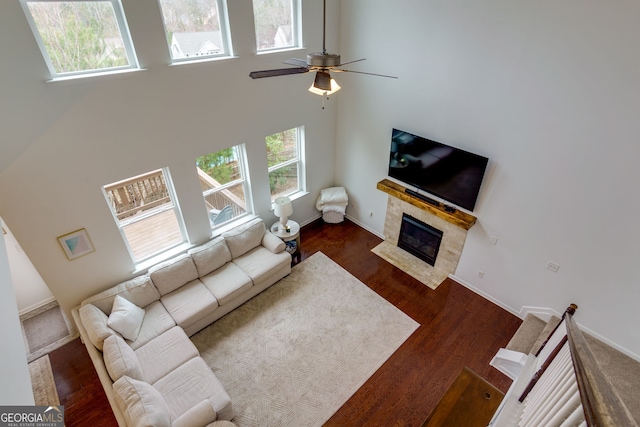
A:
(458, 328)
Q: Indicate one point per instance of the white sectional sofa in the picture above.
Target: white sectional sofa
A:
(137, 332)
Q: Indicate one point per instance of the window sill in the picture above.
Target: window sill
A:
(286, 49)
(89, 76)
(201, 60)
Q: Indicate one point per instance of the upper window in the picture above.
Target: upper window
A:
(224, 186)
(285, 160)
(146, 214)
(196, 29)
(80, 37)
(277, 24)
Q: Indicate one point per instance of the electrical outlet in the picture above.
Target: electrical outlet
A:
(480, 274)
(552, 266)
(493, 240)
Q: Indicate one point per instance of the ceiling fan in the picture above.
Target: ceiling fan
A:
(321, 62)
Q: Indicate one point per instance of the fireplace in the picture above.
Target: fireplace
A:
(419, 239)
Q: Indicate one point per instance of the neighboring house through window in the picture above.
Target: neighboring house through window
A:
(196, 29)
(277, 24)
(285, 157)
(223, 179)
(146, 213)
(80, 37)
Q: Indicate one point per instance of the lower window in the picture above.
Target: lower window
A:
(144, 209)
(223, 179)
(285, 161)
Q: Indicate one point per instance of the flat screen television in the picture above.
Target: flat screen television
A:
(447, 172)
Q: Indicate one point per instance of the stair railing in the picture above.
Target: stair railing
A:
(565, 389)
(601, 404)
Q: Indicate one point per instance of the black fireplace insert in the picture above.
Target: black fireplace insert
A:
(419, 239)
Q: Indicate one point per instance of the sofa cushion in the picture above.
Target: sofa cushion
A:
(243, 238)
(125, 318)
(141, 404)
(190, 384)
(210, 256)
(189, 303)
(157, 320)
(95, 323)
(261, 263)
(227, 282)
(139, 290)
(170, 275)
(163, 354)
(120, 359)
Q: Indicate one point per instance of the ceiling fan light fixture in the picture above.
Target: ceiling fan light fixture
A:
(324, 84)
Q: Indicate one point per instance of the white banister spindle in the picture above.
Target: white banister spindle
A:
(548, 404)
(571, 412)
(549, 395)
(560, 410)
(536, 403)
(576, 417)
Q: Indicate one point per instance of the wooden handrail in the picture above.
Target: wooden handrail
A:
(601, 404)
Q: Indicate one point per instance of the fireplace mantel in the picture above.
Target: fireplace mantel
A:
(458, 217)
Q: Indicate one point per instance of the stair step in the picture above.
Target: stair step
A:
(527, 334)
(546, 332)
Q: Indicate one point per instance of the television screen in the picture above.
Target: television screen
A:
(450, 173)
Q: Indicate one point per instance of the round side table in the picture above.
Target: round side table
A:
(287, 236)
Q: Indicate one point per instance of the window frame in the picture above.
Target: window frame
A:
(240, 151)
(124, 34)
(296, 32)
(299, 161)
(225, 35)
(121, 224)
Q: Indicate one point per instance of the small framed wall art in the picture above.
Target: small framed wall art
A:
(76, 244)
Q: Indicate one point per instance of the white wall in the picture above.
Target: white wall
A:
(62, 141)
(30, 290)
(549, 92)
(15, 387)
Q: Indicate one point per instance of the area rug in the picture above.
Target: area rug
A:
(295, 353)
(45, 329)
(42, 382)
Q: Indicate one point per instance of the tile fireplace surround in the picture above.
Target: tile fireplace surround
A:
(453, 225)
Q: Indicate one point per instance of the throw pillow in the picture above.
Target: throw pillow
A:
(126, 318)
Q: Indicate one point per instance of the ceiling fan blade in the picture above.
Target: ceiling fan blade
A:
(362, 72)
(351, 62)
(277, 72)
(296, 62)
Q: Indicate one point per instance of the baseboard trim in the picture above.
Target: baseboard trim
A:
(369, 229)
(486, 295)
(36, 306)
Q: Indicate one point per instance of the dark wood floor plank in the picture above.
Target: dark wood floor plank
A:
(458, 328)
(79, 388)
